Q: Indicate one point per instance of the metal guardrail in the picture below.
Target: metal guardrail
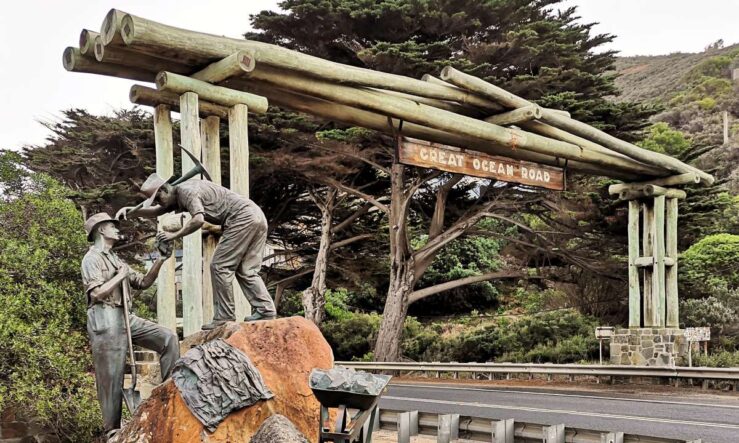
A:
(676, 373)
(449, 427)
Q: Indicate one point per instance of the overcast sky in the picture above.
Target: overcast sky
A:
(33, 34)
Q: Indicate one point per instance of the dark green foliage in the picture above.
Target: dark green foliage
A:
(709, 263)
(45, 369)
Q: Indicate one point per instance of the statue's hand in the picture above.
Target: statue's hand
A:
(165, 237)
(164, 248)
(122, 213)
(123, 270)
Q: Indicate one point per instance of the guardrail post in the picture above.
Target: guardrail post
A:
(503, 431)
(554, 434)
(612, 437)
(413, 423)
(376, 422)
(448, 428)
(404, 427)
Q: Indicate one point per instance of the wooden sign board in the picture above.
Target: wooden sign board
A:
(461, 161)
(604, 332)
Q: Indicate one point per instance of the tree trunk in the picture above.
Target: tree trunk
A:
(402, 273)
(314, 301)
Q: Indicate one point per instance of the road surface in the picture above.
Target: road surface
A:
(712, 418)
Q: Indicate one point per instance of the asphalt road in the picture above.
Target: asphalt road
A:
(714, 419)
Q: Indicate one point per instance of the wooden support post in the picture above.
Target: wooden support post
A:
(634, 293)
(212, 161)
(671, 293)
(192, 254)
(650, 305)
(238, 142)
(166, 296)
(658, 275)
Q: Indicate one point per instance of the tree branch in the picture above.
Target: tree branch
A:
(360, 194)
(431, 290)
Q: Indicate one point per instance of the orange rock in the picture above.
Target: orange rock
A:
(284, 351)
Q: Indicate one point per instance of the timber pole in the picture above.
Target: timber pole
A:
(210, 136)
(141, 95)
(192, 245)
(166, 290)
(170, 82)
(671, 291)
(87, 41)
(238, 140)
(74, 61)
(634, 291)
(575, 127)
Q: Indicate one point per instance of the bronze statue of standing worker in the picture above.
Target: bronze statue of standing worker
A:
(107, 280)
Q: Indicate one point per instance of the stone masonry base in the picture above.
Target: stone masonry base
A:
(648, 347)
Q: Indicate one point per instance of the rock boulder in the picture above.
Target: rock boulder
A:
(284, 351)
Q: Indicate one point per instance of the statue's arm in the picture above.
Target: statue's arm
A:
(102, 292)
(150, 212)
(147, 280)
(194, 224)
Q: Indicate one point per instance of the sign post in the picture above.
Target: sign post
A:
(603, 333)
(696, 335)
(425, 154)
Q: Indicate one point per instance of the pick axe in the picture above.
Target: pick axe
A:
(174, 180)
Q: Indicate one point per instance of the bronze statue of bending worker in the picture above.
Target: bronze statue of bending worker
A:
(240, 250)
(104, 274)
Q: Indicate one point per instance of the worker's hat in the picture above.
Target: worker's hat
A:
(95, 220)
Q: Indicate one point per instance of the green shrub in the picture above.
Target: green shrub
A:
(710, 263)
(720, 359)
(665, 140)
(353, 336)
(45, 368)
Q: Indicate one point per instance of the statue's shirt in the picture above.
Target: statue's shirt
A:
(216, 203)
(98, 267)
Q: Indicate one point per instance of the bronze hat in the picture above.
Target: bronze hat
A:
(95, 220)
(151, 187)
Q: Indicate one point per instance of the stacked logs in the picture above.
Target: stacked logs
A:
(457, 109)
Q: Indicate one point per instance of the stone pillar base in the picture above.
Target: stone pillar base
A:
(648, 347)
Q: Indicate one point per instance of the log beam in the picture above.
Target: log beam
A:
(110, 29)
(517, 116)
(231, 66)
(141, 95)
(652, 191)
(87, 41)
(557, 120)
(170, 82)
(118, 55)
(74, 61)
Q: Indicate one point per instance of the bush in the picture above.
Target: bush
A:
(710, 263)
(352, 337)
(720, 359)
(45, 369)
(665, 140)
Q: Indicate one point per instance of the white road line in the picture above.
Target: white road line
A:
(595, 397)
(563, 411)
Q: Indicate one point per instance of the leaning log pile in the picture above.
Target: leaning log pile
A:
(456, 109)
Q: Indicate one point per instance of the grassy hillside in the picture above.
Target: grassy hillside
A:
(657, 78)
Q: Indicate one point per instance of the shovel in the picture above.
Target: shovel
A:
(131, 396)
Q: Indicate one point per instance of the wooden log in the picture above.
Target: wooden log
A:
(441, 104)
(121, 56)
(192, 245)
(432, 117)
(141, 95)
(673, 180)
(238, 142)
(166, 293)
(210, 136)
(658, 277)
(643, 262)
(74, 61)
(170, 82)
(634, 291)
(558, 134)
(197, 49)
(231, 66)
(657, 190)
(517, 116)
(87, 41)
(110, 29)
(651, 318)
(353, 116)
(671, 288)
(510, 100)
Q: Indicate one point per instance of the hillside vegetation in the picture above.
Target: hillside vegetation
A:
(656, 78)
